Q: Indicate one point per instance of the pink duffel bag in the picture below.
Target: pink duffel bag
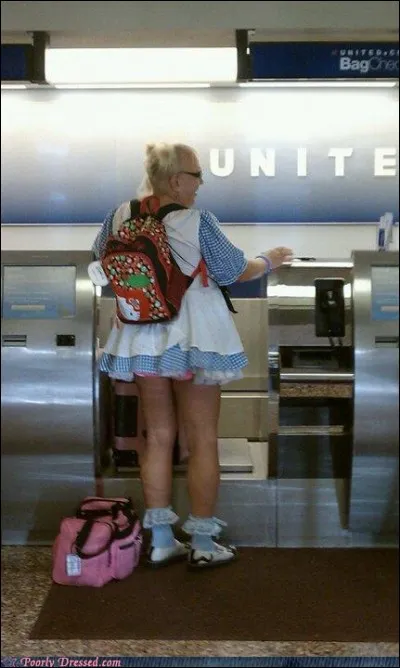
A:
(101, 543)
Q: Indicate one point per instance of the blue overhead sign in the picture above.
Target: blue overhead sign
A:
(16, 62)
(324, 60)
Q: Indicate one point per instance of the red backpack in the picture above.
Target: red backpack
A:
(146, 280)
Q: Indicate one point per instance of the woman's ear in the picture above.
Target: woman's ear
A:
(173, 183)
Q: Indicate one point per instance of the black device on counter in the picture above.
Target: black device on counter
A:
(329, 307)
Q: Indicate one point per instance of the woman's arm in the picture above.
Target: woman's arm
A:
(265, 263)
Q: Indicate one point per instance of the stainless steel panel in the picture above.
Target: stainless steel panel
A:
(106, 314)
(309, 512)
(374, 490)
(244, 402)
(240, 415)
(234, 457)
(38, 490)
(252, 324)
(48, 430)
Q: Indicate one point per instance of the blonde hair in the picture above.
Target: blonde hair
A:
(162, 161)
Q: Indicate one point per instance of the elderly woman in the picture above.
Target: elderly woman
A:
(184, 362)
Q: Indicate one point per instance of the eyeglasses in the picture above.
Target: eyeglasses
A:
(197, 175)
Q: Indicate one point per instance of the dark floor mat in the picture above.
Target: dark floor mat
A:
(325, 595)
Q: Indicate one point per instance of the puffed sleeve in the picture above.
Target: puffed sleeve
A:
(225, 262)
(99, 244)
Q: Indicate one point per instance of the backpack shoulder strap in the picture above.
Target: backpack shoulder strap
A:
(168, 208)
(121, 214)
(149, 205)
(201, 267)
(134, 207)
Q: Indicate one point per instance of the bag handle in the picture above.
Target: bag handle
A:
(128, 512)
(84, 534)
(96, 513)
(117, 505)
(123, 533)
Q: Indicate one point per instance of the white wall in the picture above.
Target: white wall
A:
(162, 22)
(133, 16)
(324, 241)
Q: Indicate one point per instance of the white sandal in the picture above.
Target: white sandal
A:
(221, 555)
(161, 556)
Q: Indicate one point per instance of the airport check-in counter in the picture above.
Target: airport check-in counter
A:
(333, 399)
(308, 438)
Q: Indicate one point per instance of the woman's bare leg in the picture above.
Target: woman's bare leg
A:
(156, 462)
(199, 407)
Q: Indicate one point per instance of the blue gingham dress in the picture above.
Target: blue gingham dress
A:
(203, 338)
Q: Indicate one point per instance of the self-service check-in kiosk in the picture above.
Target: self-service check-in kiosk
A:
(333, 401)
(374, 492)
(48, 391)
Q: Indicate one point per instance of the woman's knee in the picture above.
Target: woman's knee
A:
(198, 408)
(162, 436)
(158, 408)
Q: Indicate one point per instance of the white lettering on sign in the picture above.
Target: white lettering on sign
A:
(215, 162)
(354, 65)
(339, 154)
(263, 162)
(362, 61)
(301, 162)
(392, 53)
(385, 163)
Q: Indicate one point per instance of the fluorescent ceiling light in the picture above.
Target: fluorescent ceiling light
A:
(9, 86)
(140, 66)
(320, 84)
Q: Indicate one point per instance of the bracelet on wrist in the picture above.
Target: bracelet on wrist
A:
(268, 263)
